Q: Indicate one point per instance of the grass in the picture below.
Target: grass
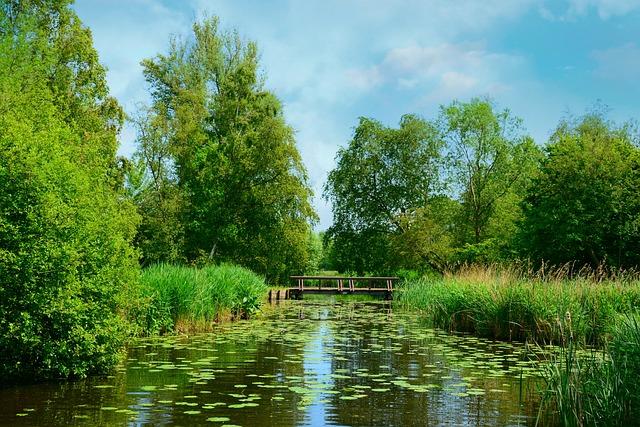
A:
(591, 315)
(187, 299)
(595, 387)
(511, 305)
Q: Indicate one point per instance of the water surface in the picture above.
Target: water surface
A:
(310, 363)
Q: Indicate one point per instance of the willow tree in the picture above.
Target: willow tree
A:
(245, 196)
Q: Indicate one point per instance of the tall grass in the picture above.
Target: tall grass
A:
(509, 304)
(181, 299)
(596, 387)
(591, 314)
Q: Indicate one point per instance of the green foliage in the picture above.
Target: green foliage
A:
(227, 176)
(426, 243)
(177, 298)
(316, 252)
(380, 178)
(490, 163)
(584, 206)
(151, 186)
(65, 229)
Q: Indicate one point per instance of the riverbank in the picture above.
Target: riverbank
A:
(593, 319)
(180, 299)
(508, 305)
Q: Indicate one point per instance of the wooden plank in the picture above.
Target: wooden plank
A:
(345, 277)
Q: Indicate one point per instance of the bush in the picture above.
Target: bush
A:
(65, 231)
(64, 258)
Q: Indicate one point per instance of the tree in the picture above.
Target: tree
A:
(584, 207)
(65, 228)
(382, 175)
(153, 187)
(234, 158)
(427, 240)
(490, 162)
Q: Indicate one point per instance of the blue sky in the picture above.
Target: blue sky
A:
(331, 61)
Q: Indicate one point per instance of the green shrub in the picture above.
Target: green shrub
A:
(65, 231)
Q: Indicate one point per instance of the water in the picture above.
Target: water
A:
(300, 364)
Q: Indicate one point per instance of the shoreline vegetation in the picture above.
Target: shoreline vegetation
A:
(506, 303)
(180, 299)
(592, 317)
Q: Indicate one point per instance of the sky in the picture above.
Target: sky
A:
(333, 61)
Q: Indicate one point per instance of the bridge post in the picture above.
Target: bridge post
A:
(351, 286)
(340, 285)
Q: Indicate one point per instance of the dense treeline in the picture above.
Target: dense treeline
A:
(472, 187)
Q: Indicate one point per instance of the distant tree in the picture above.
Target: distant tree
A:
(427, 240)
(66, 260)
(490, 161)
(316, 252)
(153, 187)
(234, 159)
(383, 175)
(584, 207)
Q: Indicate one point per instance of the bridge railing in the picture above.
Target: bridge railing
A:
(342, 283)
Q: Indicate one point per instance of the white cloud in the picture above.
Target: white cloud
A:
(605, 8)
(443, 71)
(572, 9)
(618, 63)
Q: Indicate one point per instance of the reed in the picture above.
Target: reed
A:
(596, 387)
(187, 299)
(514, 304)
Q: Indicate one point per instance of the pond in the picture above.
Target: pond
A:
(302, 363)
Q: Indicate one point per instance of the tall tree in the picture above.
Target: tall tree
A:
(65, 227)
(383, 174)
(491, 160)
(245, 192)
(584, 207)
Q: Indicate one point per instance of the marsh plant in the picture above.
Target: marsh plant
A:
(180, 298)
(595, 387)
(513, 304)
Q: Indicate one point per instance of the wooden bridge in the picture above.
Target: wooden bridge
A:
(382, 286)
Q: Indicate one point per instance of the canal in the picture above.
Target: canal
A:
(301, 363)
